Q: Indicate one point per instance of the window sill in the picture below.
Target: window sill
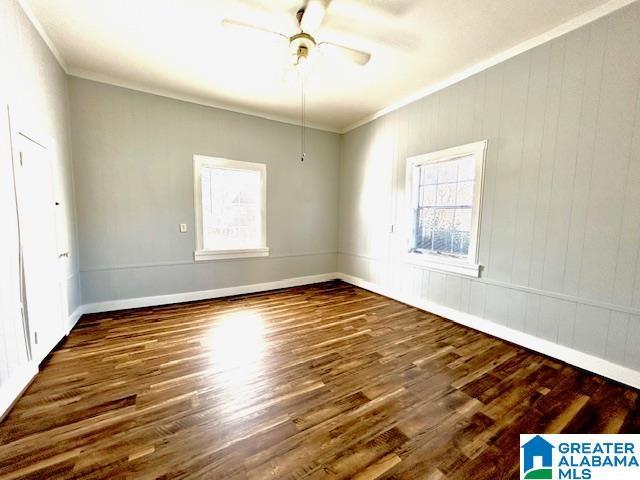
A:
(446, 265)
(206, 255)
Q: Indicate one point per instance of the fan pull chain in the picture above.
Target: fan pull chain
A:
(302, 122)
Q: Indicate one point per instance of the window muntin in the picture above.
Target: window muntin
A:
(444, 207)
(444, 192)
(230, 209)
(230, 201)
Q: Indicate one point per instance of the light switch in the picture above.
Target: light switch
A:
(183, 228)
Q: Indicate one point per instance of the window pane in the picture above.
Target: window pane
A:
(444, 218)
(430, 175)
(463, 219)
(428, 195)
(446, 194)
(231, 207)
(467, 168)
(465, 193)
(447, 172)
(459, 243)
(444, 230)
(445, 204)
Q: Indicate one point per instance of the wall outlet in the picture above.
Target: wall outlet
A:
(183, 228)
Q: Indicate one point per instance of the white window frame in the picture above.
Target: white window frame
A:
(463, 266)
(200, 254)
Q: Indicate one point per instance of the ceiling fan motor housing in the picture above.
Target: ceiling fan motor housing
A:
(301, 45)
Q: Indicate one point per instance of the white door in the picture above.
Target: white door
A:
(37, 223)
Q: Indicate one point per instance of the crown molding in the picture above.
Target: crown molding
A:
(573, 24)
(161, 92)
(43, 34)
(167, 93)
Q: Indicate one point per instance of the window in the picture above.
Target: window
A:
(230, 203)
(445, 192)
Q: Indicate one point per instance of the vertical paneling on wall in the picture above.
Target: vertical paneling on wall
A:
(560, 229)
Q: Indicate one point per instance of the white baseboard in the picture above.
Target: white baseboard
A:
(579, 359)
(203, 294)
(74, 317)
(15, 385)
(569, 355)
(13, 388)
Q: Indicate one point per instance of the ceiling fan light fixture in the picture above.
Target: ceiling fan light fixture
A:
(302, 40)
(302, 47)
(303, 66)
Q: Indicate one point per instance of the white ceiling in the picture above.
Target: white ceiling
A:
(178, 48)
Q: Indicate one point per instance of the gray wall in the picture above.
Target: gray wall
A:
(560, 231)
(34, 86)
(133, 156)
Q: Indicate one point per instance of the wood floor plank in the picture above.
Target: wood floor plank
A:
(321, 381)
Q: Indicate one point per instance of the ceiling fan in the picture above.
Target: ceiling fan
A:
(303, 42)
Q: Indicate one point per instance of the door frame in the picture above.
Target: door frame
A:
(21, 129)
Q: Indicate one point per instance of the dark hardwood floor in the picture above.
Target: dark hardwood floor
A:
(324, 381)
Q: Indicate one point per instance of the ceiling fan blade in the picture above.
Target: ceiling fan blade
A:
(313, 15)
(357, 56)
(245, 27)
